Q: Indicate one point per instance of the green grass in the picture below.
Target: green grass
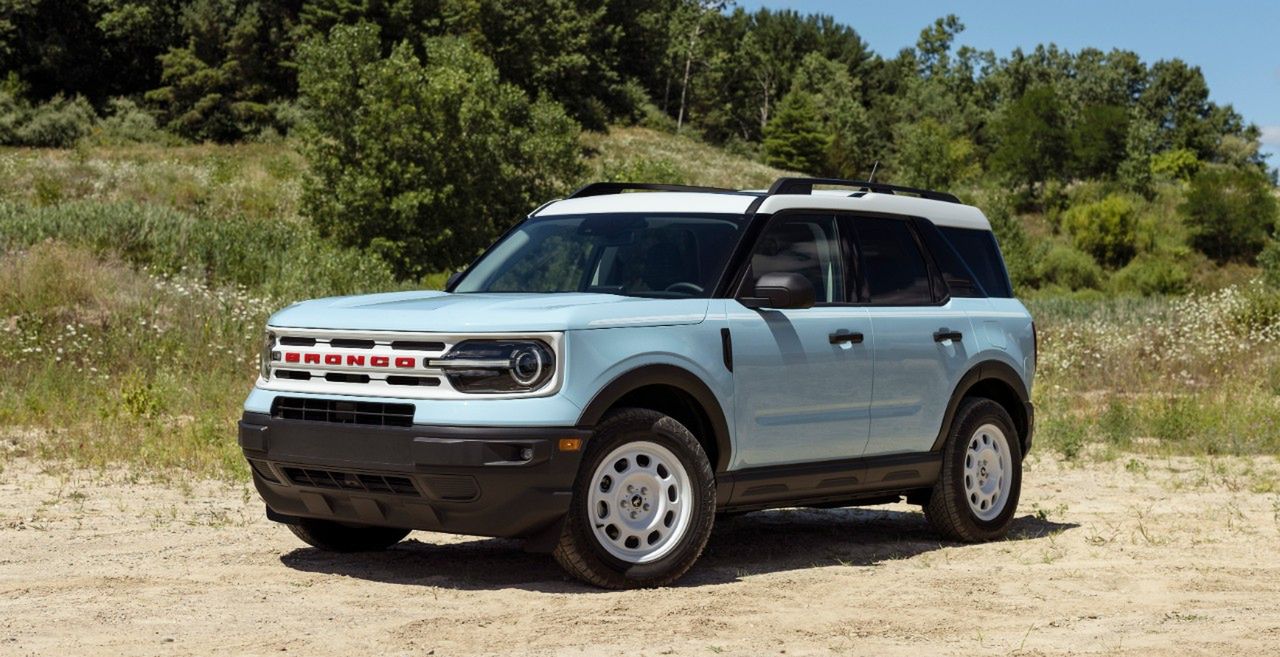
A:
(135, 281)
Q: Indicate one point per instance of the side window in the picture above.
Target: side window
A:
(894, 268)
(950, 262)
(803, 244)
(982, 254)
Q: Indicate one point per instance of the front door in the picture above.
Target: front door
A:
(802, 377)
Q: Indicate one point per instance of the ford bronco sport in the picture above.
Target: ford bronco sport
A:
(619, 368)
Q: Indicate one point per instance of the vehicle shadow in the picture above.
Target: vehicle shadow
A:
(755, 543)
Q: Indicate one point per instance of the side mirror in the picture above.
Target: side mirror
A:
(781, 290)
(453, 278)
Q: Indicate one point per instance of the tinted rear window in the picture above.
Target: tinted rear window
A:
(982, 254)
(892, 264)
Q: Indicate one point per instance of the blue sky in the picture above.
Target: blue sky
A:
(1233, 42)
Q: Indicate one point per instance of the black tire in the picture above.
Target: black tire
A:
(580, 553)
(335, 537)
(948, 509)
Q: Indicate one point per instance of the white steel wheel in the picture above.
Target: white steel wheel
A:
(640, 502)
(988, 470)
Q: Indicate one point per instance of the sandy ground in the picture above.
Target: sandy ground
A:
(1129, 557)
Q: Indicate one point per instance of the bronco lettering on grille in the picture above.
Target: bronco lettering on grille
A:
(353, 360)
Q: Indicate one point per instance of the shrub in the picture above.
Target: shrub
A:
(423, 162)
(1106, 229)
(1178, 164)
(1269, 261)
(1070, 268)
(1229, 212)
(57, 123)
(128, 123)
(1151, 275)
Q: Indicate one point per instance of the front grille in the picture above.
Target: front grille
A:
(350, 481)
(335, 411)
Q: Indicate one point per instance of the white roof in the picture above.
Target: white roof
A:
(941, 213)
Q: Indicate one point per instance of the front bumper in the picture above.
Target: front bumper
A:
(463, 480)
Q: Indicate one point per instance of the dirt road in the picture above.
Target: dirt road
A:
(1130, 558)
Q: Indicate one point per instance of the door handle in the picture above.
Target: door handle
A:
(845, 336)
(943, 335)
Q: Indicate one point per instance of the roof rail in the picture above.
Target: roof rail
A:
(805, 186)
(607, 188)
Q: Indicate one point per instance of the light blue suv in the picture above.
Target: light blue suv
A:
(631, 361)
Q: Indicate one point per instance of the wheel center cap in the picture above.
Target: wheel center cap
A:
(636, 501)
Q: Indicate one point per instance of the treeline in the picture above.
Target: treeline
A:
(805, 88)
(415, 113)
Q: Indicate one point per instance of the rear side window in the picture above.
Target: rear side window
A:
(893, 267)
(982, 254)
(952, 265)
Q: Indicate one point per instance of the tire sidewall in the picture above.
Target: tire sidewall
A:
(670, 434)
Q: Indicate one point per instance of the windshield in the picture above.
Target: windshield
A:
(651, 255)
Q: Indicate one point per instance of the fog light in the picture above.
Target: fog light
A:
(526, 454)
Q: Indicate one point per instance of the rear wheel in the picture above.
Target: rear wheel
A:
(643, 505)
(977, 492)
(336, 537)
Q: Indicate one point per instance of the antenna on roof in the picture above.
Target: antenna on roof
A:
(873, 171)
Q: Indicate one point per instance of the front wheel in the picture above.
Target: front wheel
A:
(977, 492)
(335, 537)
(643, 505)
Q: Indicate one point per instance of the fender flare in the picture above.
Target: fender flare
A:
(991, 370)
(669, 375)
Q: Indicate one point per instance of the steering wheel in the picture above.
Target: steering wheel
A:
(689, 288)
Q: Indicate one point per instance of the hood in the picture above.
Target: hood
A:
(487, 312)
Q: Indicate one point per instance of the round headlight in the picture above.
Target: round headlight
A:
(493, 366)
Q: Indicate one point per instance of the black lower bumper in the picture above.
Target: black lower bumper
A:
(461, 480)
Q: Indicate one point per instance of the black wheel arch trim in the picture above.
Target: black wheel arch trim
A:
(669, 375)
(991, 370)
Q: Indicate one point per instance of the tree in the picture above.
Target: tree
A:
(1098, 140)
(1031, 138)
(1229, 212)
(931, 156)
(794, 138)
(220, 85)
(423, 162)
(836, 94)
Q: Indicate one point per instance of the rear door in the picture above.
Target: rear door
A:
(802, 377)
(922, 338)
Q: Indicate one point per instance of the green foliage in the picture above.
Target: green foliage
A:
(794, 138)
(1269, 261)
(1032, 141)
(59, 122)
(1069, 268)
(1152, 275)
(127, 123)
(424, 162)
(1229, 212)
(220, 84)
(1097, 140)
(932, 157)
(1178, 164)
(1106, 229)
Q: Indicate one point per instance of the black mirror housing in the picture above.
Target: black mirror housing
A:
(781, 291)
